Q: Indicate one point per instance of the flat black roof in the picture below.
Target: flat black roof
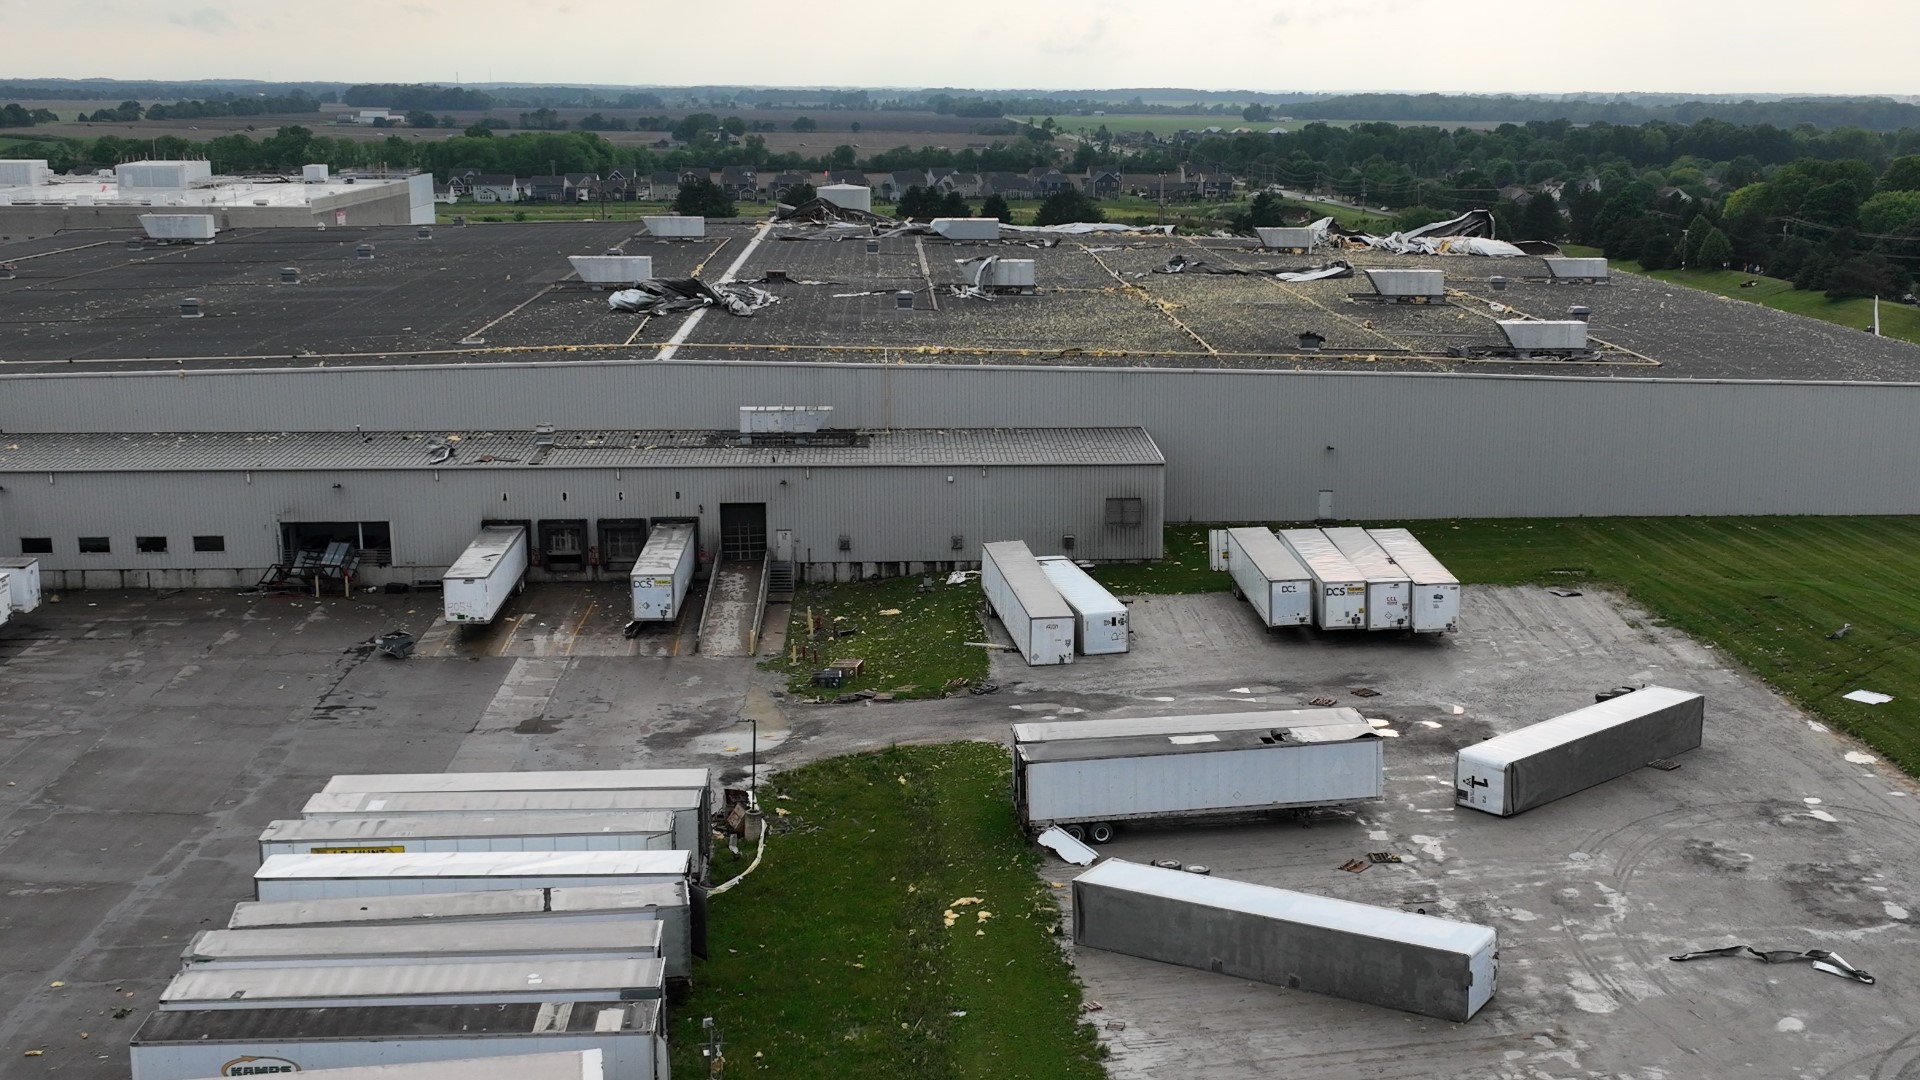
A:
(498, 292)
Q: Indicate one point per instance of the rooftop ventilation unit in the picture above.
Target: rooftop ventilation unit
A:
(25, 173)
(967, 228)
(794, 419)
(1580, 312)
(6, 271)
(180, 228)
(289, 275)
(1406, 287)
(1499, 283)
(1011, 275)
(676, 226)
(364, 251)
(190, 308)
(848, 196)
(423, 233)
(903, 300)
(1559, 338)
(313, 174)
(161, 175)
(1286, 239)
(620, 270)
(543, 435)
(1577, 271)
(459, 221)
(1311, 342)
(873, 247)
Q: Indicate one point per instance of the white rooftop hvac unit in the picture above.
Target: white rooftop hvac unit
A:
(1409, 284)
(26, 173)
(1011, 274)
(161, 175)
(612, 269)
(849, 196)
(784, 418)
(1559, 336)
(1286, 238)
(313, 174)
(1569, 269)
(676, 226)
(197, 227)
(967, 228)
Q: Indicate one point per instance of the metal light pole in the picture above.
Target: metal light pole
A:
(753, 762)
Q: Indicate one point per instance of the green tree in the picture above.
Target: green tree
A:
(1715, 251)
(694, 125)
(1861, 276)
(798, 194)
(1903, 174)
(954, 205)
(1892, 213)
(1256, 114)
(734, 126)
(854, 127)
(1415, 216)
(703, 198)
(1267, 211)
(421, 118)
(1541, 219)
(479, 131)
(996, 207)
(802, 123)
(1068, 207)
(842, 157)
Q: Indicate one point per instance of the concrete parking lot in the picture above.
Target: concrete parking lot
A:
(146, 738)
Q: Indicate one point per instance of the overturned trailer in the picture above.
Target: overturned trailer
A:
(1381, 956)
(187, 1045)
(1555, 758)
(1090, 775)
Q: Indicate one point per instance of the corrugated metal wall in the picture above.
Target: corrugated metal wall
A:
(1239, 445)
(897, 514)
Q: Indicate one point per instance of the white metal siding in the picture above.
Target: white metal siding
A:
(1119, 788)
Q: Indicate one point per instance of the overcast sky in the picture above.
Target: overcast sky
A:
(1837, 46)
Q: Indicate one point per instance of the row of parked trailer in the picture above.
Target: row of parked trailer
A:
(494, 567)
(1051, 607)
(444, 917)
(1079, 780)
(1339, 579)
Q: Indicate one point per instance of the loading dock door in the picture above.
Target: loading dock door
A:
(743, 530)
(563, 544)
(620, 542)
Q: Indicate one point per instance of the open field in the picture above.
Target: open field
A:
(912, 653)
(839, 960)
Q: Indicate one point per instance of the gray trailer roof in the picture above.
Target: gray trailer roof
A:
(201, 987)
(666, 546)
(1343, 915)
(579, 900)
(1503, 750)
(495, 937)
(1029, 583)
(1274, 560)
(1412, 557)
(381, 1022)
(504, 802)
(567, 780)
(461, 826)
(1194, 723)
(1321, 556)
(484, 554)
(1366, 554)
(473, 864)
(1192, 743)
(559, 1065)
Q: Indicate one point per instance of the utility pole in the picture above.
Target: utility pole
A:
(716, 1061)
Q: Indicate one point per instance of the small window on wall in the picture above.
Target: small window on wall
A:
(95, 545)
(150, 545)
(36, 545)
(1125, 512)
(209, 543)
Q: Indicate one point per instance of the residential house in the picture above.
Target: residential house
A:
(448, 192)
(1100, 184)
(1009, 185)
(1514, 193)
(1048, 181)
(784, 182)
(663, 185)
(740, 182)
(583, 186)
(547, 189)
(498, 188)
(969, 185)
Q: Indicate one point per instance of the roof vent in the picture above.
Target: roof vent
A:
(903, 300)
(543, 435)
(423, 233)
(289, 275)
(1311, 342)
(1499, 283)
(873, 247)
(364, 251)
(6, 271)
(459, 221)
(1581, 312)
(190, 308)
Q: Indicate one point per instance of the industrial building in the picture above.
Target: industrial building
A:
(34, 203)
(397, 388)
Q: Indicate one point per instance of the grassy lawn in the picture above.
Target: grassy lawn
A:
(837, 959)
(1766, 590)
(1896, 320)
(914, 653)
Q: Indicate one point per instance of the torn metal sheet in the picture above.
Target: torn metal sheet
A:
(663, 296)
(1083, 228)
(1057, 841)
(1181, 264)
(822, 212)
(1868, 697)
(1821, 959)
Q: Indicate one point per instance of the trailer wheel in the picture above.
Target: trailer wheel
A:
(1100, 832)
(1078, 832)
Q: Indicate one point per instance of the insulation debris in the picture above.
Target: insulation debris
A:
(1821, 959)
(1472, 233)
(822, 212)
(664, 296)
(1181, 264)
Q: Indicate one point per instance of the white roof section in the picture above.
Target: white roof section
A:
(457, 826)
(502, 903)
(1078, 588)
(237, 988)
(1028, 582)
(636, 934)
(666, 547)
(569, 780)
(1197, 723)
(502, 802)
(565, 1065)
(222, 192)
(486, 551)
(1273, 559)
(1503, 750)
(1447, 935)
(581, 899)
(1365, 554)
(473, 864)
(1322, 557)
(1412, 557)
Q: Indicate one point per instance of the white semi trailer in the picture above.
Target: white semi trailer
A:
(1435, 604)
(1026, 603)
(1340, 590)
(1099, 616)
(492, 568)
(663, 572)
(1266, 574)
(1389, 589)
